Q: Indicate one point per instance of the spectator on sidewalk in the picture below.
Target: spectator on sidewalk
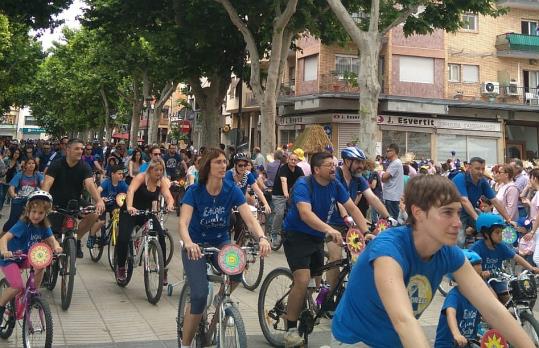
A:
(303, 164)
(393, 181)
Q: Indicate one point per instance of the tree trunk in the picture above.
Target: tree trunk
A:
(369, 88)
(136, 108)
(108, 129)
(153, 123)
(210, 116)
(268, 112)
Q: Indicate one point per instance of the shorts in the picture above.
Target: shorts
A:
(12, 273)
(499, 287)
(304, 251)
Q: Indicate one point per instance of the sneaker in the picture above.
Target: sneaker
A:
(275, 241)
(80, 254)
(292, 338)
(90, 242)
(121, 274)
(165, 278)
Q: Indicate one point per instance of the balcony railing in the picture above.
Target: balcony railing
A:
(518, 46)
(288, 88)
(504, 94)
(520, 4)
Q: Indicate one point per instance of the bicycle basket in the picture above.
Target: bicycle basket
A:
(523, 288)
(231, 259)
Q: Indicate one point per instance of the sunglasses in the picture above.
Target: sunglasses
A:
(156, 154)
(242, 165)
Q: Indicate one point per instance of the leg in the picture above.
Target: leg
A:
(12, 273)
(296, 298)
(38, 277)
(85, 224)
(125, 227)
(17, 208)
(392, 208)
(279, 204)
(335, 254)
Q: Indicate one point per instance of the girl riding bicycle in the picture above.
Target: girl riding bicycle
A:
(396, 276)
(205, 218)
(32, 228)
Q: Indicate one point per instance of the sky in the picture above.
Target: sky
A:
(69, 16)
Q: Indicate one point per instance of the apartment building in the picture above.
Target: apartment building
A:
(8, 126)
(473, 92)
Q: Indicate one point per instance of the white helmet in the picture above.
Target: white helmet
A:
(40, 194)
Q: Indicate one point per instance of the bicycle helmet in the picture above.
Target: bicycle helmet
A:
(486, 221)
(240, 156)
(353, 153)
(472, 256)
(40, 194)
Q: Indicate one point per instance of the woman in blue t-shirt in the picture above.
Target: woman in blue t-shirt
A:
(396, 276)
(205, 218)
(23, 183)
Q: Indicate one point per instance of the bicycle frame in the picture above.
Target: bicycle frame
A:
(144, 236)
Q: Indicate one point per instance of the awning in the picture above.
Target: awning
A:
(120, 136)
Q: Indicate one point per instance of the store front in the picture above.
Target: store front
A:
(436, 138)
(522, 141)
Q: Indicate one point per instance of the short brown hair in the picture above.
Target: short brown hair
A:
(427, 191)
(508, 170)
(37, 204)
(205, 164)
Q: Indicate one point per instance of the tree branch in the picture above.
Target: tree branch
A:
(282, 21)
(287, 39)
(375, 16)
(166, 92)
(357, 35)
(401, 18)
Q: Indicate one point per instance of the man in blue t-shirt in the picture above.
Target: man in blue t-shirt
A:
(471, 186)
(396, 276)
(174, 164)
(313, 201)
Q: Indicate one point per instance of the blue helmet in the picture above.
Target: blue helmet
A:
(472, 256)
(486, 221)
(353, 153)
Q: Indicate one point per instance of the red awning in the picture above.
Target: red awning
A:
(120, 136)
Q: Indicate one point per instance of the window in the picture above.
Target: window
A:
(466, 147)
(529, 28)
(470, 73)
(454, 72)
(416, 69)
(346, 64)
(416, 142)
(310, 68)
(469, 22)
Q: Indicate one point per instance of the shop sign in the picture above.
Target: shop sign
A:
(311, 119)
(410, 121)
(345, 118)
(32, 130)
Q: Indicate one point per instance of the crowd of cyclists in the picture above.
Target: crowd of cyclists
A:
(447, 219)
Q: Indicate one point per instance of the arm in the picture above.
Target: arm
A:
(477, 292)
(254, 227)
(47, 183)
(53, 243)
(261, 197)
(306, 215)
(92, 189)
(375, 202)
(11, 191)
(468, 207)
(501, 209)
(98, 166)
(386, 176)
(373, 184)
(284, 184)
(133, 187)
(193, 251)
(451, 315)
(521, 261)
(165, 191)
(356, 214)
(389, 281)
(3, 244)
(130, 168)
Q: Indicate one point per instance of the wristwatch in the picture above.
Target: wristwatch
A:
(263, 237)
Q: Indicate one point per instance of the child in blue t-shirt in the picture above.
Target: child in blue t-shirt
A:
(32, 228)
(493, 252)
(396, 276)
(109, 189)
(458, 318)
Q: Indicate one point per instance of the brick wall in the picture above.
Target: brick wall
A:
(424, 90)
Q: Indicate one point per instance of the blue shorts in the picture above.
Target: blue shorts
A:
(499, 287)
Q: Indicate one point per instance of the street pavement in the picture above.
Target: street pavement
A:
(104, 315)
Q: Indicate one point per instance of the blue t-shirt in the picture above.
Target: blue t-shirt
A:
(492, 259)
(357, 185)
(248, 179)
(24, 236)
(24, 185)
(466, 319)
(89, 160)
(210, 222)
(171, 161)
(466, 188)
(143, 167)
(361, 316)
(110, 191)
(323, 201)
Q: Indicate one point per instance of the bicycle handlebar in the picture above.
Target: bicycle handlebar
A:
(81, 210)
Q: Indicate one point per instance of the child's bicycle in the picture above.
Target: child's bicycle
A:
(28, 305)
(225, 326)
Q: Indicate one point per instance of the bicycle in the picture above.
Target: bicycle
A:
(144, 249)
(272, 304)
(214, 327)
(65, 264)
(28, 305)
(254, 268)
(108, 232)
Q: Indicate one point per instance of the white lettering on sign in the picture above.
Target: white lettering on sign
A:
(345, 118)
(409, 121)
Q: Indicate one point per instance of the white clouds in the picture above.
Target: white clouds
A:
(70, 20)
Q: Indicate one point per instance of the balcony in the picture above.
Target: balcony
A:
(513, 45)
(504, 94)
(520, 4)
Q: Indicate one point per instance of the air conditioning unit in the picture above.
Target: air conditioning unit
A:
(490, 88)
(512, 89)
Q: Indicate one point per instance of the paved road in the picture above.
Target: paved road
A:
(105, 315)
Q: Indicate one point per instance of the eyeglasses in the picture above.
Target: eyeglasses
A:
(156, 154)
(88, 149)
(241, 165)
(328, 165)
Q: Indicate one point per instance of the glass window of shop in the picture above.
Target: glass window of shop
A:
(527, 138)
(416, 142)
(287, 136)
(466, 147)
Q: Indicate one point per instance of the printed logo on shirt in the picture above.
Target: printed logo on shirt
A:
(213, 217)
(171, 163)
(467, 324)
(420, 293)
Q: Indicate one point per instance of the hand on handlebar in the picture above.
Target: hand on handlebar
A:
(132, 210)
(58, 250)
(460, 340)
(8, 254)
(267, 209)
(264, 246)
(335, 236)
(193, 251)
(528, 236)
(392, 222)
(170, 207)
(99, 207)
(486, 274)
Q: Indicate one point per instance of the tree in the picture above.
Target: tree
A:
(419, 17)
(35, 13)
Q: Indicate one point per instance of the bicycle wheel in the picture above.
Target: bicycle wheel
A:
(531, 326)
(169, 241)
(8, 320)
(272, 303)
(51, 275)
(112, 244)
(97, 251)
(128, 265)
(232, 330)
(254, 268)
(185, 298)
(68, 270)
(37, 324)
(154, 272)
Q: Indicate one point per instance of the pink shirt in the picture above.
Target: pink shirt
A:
(508, 194)
(305, 166)
(534, 206)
